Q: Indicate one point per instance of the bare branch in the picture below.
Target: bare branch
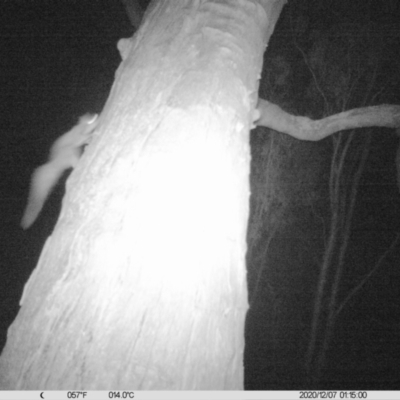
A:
(358, 287)
(304, 128)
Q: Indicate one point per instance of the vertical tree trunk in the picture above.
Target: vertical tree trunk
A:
(142, 284)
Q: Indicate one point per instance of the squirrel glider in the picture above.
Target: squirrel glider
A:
(64, 154)
(67, 150)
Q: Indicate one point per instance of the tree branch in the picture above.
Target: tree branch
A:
(304, 128)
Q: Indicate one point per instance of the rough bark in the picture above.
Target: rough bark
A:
(304, 128)
(142, 285)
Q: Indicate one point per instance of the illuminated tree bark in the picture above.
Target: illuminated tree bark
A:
(142, 285)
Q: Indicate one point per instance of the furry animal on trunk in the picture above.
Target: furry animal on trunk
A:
(64, 154)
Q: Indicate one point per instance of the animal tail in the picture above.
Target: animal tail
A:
(43, 180)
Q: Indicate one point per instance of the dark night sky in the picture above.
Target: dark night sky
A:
(57, 62)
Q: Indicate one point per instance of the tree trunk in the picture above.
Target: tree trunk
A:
(142, 285)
